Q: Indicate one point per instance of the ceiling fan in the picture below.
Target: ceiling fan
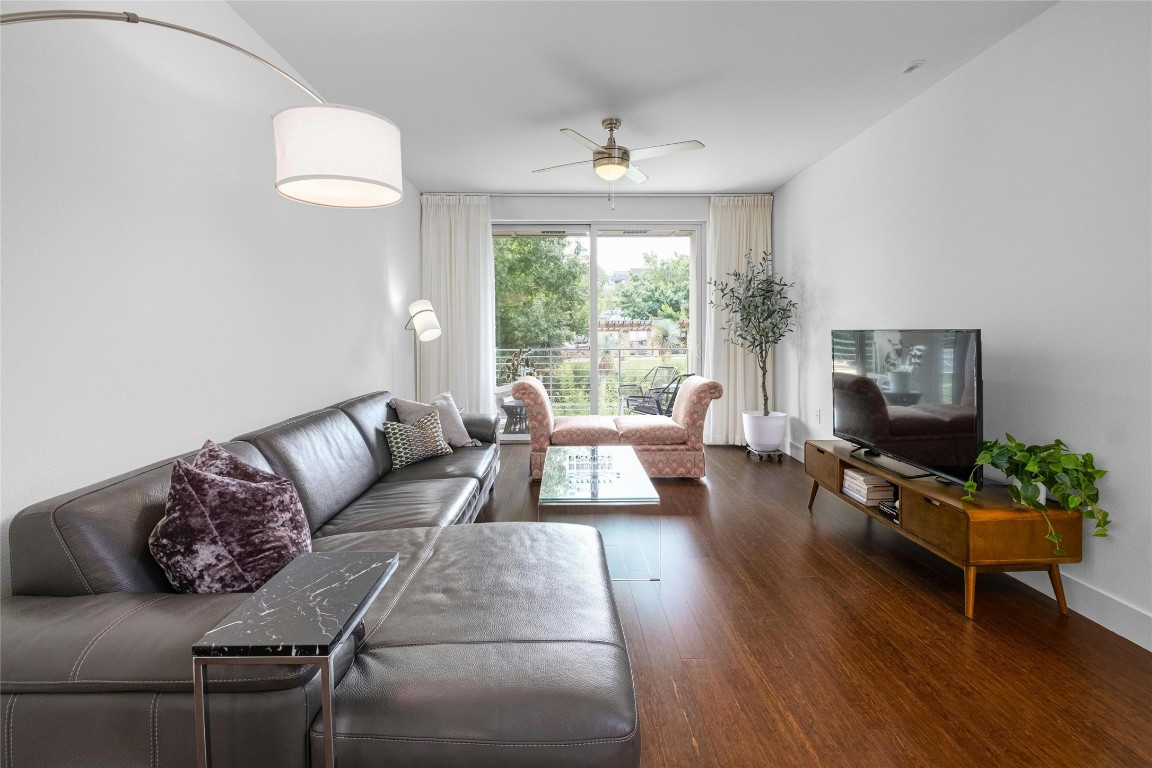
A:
(612, 161)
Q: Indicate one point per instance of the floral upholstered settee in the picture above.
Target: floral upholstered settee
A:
(668, 446)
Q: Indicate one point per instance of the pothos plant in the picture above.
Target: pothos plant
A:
(1069, 477)
(759, 311)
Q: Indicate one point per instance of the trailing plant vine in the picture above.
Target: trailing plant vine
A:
(1070, 478)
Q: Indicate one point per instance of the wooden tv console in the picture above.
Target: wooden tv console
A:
(990, 533)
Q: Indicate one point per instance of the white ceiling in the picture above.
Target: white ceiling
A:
(480, 90)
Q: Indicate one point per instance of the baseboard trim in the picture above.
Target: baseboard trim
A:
(1113, 614)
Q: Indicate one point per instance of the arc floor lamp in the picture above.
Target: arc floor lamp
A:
(326, 154)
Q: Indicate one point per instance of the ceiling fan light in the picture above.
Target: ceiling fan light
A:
(610, 169)
(327, 154)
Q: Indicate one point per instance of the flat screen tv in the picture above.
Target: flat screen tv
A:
(911, 395)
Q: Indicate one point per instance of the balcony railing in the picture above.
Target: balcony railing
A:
(566, 373)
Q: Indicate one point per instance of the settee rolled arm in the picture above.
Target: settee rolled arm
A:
(691, 407)
(128, 641)
(538, 410)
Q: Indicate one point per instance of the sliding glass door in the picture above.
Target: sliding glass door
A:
(642, 313)
(597, 312)
(542, 311)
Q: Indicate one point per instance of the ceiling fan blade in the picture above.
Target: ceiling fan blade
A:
(580, 139)
(665, 149)
(558, 167)
(636, 174)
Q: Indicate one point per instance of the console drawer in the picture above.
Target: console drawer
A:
(941, 526)
(822, 466)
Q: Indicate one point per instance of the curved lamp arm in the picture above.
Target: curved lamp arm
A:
(328, 154)
(132, 18)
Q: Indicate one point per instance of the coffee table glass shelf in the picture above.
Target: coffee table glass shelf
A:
(606, 487)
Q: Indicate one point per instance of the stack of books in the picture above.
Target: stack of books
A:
(867, 489)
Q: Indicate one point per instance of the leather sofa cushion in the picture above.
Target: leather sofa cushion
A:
(95, 539)
(502, 647)
(324, 455)
(413, 504)
(584, 430)
(145, 729)
(650, 430)
(368, 412)
(125, 641)
(481, 426)
(477, 463)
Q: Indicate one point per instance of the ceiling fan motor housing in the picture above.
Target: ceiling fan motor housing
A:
(610, 155)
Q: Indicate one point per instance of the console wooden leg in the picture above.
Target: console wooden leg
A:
(969, 591)
(812, 496)
(1058, 587)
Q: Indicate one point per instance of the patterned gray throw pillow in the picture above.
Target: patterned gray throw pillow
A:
(410, 443)
(227, 527)
(451, 423)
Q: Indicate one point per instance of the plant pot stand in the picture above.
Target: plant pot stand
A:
(761, 455)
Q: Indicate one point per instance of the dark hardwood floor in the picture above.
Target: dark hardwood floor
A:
(782, 638)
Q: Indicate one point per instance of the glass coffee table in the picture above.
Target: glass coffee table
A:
(605, 486)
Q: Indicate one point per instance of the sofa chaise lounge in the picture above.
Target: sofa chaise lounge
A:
(492, 644)
(667, 446)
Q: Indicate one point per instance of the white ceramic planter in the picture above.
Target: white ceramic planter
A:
(900, 381)
(765, 433)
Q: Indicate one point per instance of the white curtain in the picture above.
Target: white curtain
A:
(457, 277)
(737, 224)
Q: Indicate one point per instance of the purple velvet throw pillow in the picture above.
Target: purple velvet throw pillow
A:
(227, 527)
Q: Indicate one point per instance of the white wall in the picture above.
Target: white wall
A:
(1015, 196)
(156, 291)
(568, 209)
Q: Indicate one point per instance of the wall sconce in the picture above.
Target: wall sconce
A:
(326, 154)
(422, 319)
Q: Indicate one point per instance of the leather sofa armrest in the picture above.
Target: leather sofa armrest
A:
(128, 641)
(481, 426)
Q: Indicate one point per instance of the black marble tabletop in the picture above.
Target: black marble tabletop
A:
(304, 610)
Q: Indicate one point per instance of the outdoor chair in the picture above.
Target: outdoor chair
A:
(656, 402)
(655, 380)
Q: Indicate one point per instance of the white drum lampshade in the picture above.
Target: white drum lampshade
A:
(424, 320)
(344, 157)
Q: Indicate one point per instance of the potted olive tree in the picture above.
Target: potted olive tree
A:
(757, 314)
(1037, 471)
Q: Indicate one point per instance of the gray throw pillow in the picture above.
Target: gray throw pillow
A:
(410, 443)
(228, 526)
(455, 433)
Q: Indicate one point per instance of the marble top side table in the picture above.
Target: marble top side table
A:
(298, 617)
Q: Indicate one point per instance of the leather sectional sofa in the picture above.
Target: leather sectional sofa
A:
(495, 644)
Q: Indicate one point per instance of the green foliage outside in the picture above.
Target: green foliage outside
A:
(542, 307)
(661, 290)
(542, 292)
